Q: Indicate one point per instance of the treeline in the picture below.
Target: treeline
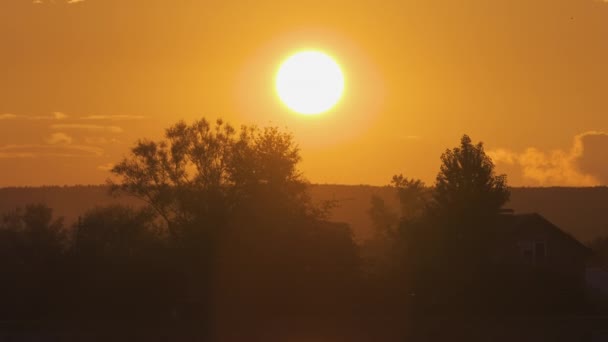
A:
(119, 263)
(228, 240)
(230, 246)
(578, 211)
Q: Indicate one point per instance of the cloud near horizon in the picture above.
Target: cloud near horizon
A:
(8, 116)
(69, 136)
(582, 165)
(86, 127)
(69, 2)
(106, 167)
(51, 150)
(112, 117)
(63, 116)
(100, 140)
(59, 138)
(53, 116)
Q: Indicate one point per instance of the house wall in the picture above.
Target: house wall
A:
(563, 257)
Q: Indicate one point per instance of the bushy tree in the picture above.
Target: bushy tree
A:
(239, 218)
(467, 184)
(445, 247)
(203, 174)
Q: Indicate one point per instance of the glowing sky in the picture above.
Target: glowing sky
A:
(81, 80)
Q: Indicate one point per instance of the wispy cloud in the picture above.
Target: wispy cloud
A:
(99, 128)
(59, 138)
(53, 116)
(57, 150)
(100, 140)
(69, 2)
(63, 116)
(16, 155)
(59, 115)
(112, 117)
(583, 164)
(8, 116)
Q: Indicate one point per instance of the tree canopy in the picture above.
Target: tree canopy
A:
(205, 173)
(467, 184)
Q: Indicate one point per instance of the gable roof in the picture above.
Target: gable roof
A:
(519, 223)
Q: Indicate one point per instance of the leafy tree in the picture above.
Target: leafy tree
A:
(238, 215)
(203, 174)
(444, 245)
(467, 184)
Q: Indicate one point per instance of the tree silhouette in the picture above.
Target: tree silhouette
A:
(121, 266)
(467, 184)
(240, 222)
(115, 233)
(32, 250)
(413, 196)
(41, 237)
(202, 174)
(445, 248)
(383, 219)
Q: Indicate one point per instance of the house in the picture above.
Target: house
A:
(532, 240)
(530, 244)
(536, 267)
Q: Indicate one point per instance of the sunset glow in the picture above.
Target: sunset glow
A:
(304, 171)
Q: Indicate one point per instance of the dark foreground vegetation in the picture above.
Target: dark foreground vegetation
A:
(230, 247)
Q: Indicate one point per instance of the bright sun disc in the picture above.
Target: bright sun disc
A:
(310, 82)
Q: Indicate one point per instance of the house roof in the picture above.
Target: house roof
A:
(519, 223)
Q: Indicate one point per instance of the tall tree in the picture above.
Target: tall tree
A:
(445, 249)
(467, 185)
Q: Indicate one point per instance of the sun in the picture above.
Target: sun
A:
(310, 82)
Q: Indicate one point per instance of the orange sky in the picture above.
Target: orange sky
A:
(82, 80)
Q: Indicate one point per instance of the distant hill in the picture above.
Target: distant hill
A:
(583, 212)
